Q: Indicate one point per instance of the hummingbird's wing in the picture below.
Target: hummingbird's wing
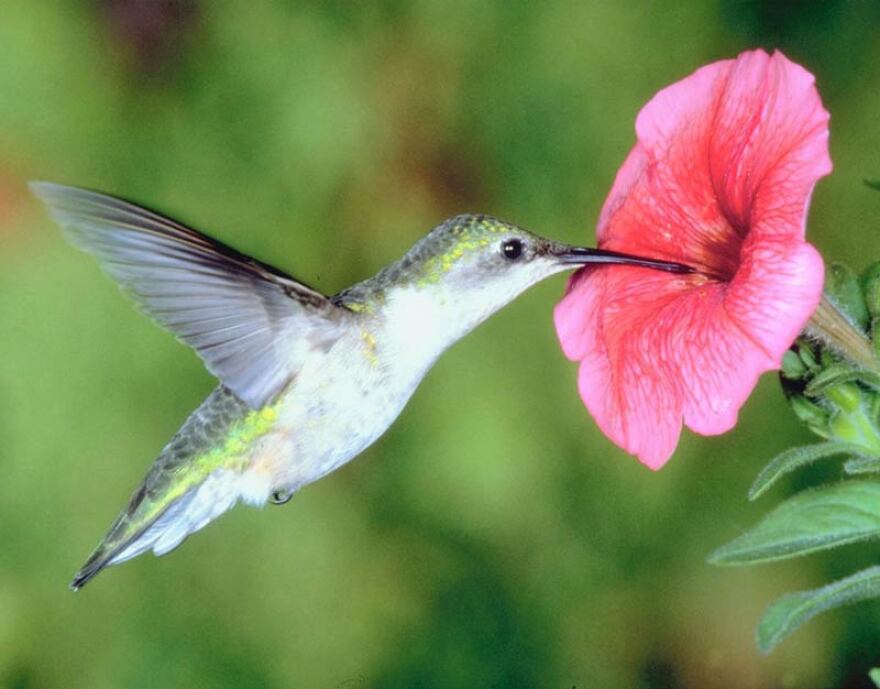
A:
(251, 324)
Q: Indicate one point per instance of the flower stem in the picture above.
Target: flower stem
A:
(831, 326)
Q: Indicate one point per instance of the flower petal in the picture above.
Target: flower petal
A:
(627, 379)
(720, 178)
(770, 143)
(655, 351)
(747, 334)
(738, 140)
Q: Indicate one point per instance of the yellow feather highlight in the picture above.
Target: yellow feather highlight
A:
(369, 347)
(438, 266)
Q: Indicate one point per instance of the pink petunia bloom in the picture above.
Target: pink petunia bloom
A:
(720, 179)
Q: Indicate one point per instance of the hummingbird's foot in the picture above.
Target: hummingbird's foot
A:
(281, 497)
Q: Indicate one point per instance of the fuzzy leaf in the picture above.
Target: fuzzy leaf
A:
(862, 465)
(869, 281)
(789, 612)
(810, 521)
(842, 284)
(873, 183)
(835, 375)
(793, 458)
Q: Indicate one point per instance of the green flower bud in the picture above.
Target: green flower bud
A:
(874, 407)
(807, 356)
(793, 366)
(845, 396)
(844, 427)
(833, 398)
(843, 287)
(853, 417)
(811, 414)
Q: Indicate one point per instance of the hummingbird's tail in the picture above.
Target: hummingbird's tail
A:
(221, 455)
(142, 526)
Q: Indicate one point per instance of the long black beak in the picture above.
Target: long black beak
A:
(582, 256)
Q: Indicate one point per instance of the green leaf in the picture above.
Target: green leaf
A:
(842, 284)
(874, 674)
(810, 521)
(873, 183)
(869, 281)
(862, 465)
(795, 457)
(789, 612)
(835, 375)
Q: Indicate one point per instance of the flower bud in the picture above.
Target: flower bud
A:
(811, 414)
(808, 357)
(874, 408)
(845, 396)
(845, 427)
(793, 366)
(831, 379)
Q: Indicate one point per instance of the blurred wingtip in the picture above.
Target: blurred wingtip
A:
(48, 192)
(89, 570)
(40, 187)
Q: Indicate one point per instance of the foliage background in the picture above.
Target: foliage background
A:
(493, 538)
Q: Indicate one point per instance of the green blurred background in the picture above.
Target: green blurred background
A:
(493, 538)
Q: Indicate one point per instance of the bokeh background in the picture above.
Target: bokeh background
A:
(493, 538)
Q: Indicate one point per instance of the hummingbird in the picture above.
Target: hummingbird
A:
(306, 381)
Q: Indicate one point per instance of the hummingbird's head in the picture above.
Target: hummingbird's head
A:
(479, 253)
(476, 264)
(460, 273)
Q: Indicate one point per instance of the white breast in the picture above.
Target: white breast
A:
(416, 328)
(343, 400)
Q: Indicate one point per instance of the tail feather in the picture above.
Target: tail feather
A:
(167, 529)
(169, 522)
(219, 493)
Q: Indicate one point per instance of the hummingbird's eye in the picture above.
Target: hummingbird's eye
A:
(512, 249)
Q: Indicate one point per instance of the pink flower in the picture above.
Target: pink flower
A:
(720, 178)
